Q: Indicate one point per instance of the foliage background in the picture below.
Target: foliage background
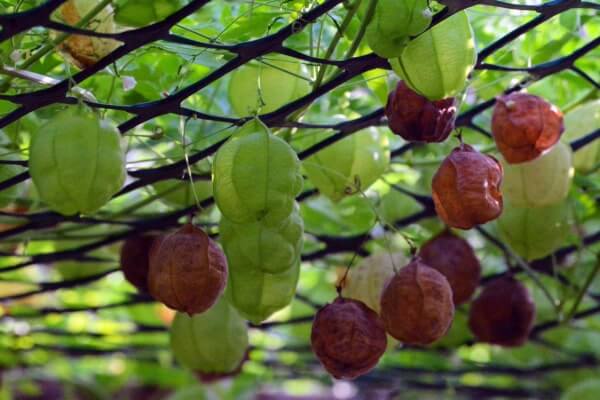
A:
(169, 82)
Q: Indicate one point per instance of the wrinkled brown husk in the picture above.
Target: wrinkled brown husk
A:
(348, 338)
(416, 305)
(466, 188)
(417, 119)
(503, 314)
(525, 126)
(454, 258)
(188, 271)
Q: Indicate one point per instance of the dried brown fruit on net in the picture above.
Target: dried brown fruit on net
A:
(417, 119)
(503, 314)
(84, 51)
(188, 270)
(135, 260)
(525, 126)
(348, 338)
(466, 188)
(416, 304)
(454, 258)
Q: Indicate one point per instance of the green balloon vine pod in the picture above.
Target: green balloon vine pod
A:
(9, 195)
(534, 233)
(256, 176)
(138, 13)
(438, 62)
(367, 281)
(266, 86)
(353, 163)
(393, 23)
(541, 182)
(212, 343)
(579, 122)
(256, 294)
(76, 162)
(262, 247)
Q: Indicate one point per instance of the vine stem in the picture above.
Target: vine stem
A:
(583, 291)
(334, 42)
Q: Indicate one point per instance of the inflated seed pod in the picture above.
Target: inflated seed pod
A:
(349, 165)
(188, 271)
(466, 188)
(76, 161)
(503, 314)
(525, 126)
(367, 281)
(579, 122)
(540, 182)
(393, 23)
(417, 119)
(135, 260)
(416, 305)
(84, 51)
(454, 258)
(348, 338)
(256, 176)
(437, 63)
(262, 247)
(265, 86)
(535, 232)
(213, 344)
(257, 294)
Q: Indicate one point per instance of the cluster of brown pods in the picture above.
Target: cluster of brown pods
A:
(466, 187)
(185, 270)
(417, 308)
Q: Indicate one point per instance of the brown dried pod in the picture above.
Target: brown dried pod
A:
(135, 260)
(348, 338)
(503, 314)
(84, 51)
(525, 126)
(416, 304)
(454, 258)
(417, 119)
(466, 188)
(188, 270)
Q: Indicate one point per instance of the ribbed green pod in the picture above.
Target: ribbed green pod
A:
(256, 176)
(214, 342)
(262, 247)
(438, 62)
(357, 160)
(76, 162)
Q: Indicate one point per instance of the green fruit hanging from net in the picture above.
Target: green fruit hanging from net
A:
(76, 162)
(438, 62)
(350, 165)
(256, 176)
(211, 344)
